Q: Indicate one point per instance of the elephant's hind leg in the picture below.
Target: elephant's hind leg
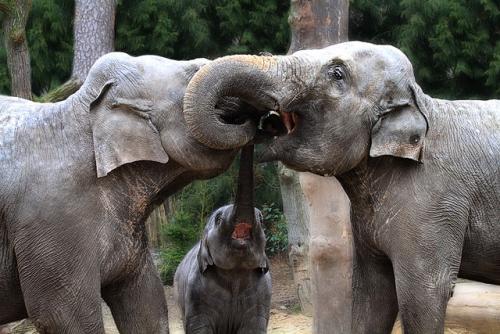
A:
(138, 302)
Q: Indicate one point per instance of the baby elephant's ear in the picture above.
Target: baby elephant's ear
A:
(204, 257)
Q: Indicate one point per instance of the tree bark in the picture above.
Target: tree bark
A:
(94, 34)
(297, 217)
(18, 58)
(317, 24)
(330, 252)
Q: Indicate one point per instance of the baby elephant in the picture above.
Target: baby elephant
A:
(223, 285)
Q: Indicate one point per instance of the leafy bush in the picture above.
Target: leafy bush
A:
(180, 235)
(276, 230)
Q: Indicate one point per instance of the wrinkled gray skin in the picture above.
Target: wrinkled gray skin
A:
(223, 285)
(78, 180)
(422, 174)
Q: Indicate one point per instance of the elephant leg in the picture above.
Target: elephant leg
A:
(255, 324)
(196, 323)
(257, 328)
(61, 290)
(424, 285)
(138, 302)
(375, 305)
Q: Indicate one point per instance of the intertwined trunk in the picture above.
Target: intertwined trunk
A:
(317, 24)
(15, 16)
(94, 33)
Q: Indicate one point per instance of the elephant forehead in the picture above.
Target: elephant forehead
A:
(360, 53)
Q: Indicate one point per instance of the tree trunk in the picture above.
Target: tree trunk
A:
(18, 58)
(94, 34)
(297, 217)
(330, 252)
(317, 24)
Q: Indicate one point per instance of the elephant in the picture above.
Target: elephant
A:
(422, 174)
(78, 180)
(223, 284)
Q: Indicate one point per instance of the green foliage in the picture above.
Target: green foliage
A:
(4, 73)
(181, 234)
(276, 230)
(453, 44)
(201, 28)
(50, 40)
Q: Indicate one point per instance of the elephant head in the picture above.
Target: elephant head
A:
(339, 105)
(135, 107)
(234, 236)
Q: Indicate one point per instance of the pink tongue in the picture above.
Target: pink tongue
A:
(287, 120)
(241, 231)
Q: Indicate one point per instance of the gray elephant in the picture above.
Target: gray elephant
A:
(223, 285)
(78, 180)
(422, 174)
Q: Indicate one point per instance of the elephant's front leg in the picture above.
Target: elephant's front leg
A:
(375, 305)
(255, 325)
(138, 303)
(425, 281)
(198, 324)
(60, 284)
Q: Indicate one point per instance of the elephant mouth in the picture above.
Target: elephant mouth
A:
(241, 232)
(278, 123)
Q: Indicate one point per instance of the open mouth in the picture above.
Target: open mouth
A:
(271, 122)
(278, 123)
(242, 231)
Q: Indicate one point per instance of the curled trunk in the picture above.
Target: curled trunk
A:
(246, 77)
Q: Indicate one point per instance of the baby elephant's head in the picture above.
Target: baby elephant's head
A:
(234, 236)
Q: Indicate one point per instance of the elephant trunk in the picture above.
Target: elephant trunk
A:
(243, 217)
(246, 77)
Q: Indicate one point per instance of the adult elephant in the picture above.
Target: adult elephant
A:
(78, 180)
(422, 174)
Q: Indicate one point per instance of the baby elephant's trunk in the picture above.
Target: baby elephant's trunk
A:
(244, 213)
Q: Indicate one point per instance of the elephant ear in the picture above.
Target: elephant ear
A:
(204, 257)
(400, 131)
(122, 129)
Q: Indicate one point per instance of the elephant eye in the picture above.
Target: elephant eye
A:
(336, 73)
(218, 218)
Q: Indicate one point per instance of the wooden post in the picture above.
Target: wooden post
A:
(317, 24)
